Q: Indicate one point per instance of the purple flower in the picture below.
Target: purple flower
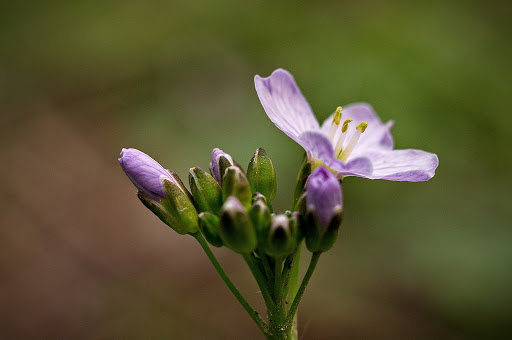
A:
(323, 195)
(351, 142)
(145, 173)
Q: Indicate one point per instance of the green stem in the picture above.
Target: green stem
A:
(254, 315)
(266, 267)
(304, 284)
(287, 269)
(293, 287)
(261, 281)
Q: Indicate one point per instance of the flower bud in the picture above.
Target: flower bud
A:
(235, 183)
(260, 217)
(206, 190)
(236, 229)
(161, 191)
(324, 206)
(283, 235)
(144, 172)
(209, 226)
(261, 174)
(259, 197)
(220, 162)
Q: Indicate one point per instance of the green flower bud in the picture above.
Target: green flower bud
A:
(209, 226)
(235, 183)
(321, 238)
(206, 190)
(262, 175)
(260, 217)
(259, 197)
(282, 237)
(236, 229)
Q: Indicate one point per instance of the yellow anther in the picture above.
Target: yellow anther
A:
(362, 126)
(344, 127)
(337, 116)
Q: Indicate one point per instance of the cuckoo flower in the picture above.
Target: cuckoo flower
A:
(351, 142)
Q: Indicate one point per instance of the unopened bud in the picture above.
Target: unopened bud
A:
(262, 175)
(160, 190)
(209, 226)
(324, 204)
(282, 237)
(206, 190)
(236, 229)
(235, 183)
(220, 162)
(260, 217)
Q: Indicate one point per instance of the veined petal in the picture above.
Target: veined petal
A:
(144, 172)
(409, 165)
(377, 135)
(319, 147)
(284, 104)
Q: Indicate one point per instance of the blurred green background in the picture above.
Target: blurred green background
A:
(80, 257)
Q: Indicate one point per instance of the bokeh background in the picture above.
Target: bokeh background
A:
(80, 257)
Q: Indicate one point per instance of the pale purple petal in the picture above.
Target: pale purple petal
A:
(409, 165)
(319, 147)
(359, 167)
(323, 195)
(284, 104)
(144, 172)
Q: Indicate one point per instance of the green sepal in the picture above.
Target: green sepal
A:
(280, 240)
(235, 183)
(157, 209)
(260, 217)
(224, 163)
(302, 178)
(318, 237)
(206, 191)
(259, 197)
(180, 206)
(236, 229)
(209, 226)
(261, 174)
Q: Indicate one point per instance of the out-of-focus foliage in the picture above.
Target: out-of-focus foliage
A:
(79, 80)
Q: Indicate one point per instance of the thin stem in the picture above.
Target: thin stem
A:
(304, 284)
(293, 287)
(287, 269)
(278, 266)
(266, 267)
(254, 315)
(260, 280)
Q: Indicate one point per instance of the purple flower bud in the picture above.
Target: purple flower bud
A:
(145, 173)
(323, 195)
(220, 162)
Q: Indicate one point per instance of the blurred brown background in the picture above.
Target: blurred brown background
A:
(82, 258)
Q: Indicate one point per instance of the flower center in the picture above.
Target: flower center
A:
(343, 150)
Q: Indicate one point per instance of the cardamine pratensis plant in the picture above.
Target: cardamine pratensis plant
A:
(231, 207)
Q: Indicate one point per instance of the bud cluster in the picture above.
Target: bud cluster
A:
(233, 208)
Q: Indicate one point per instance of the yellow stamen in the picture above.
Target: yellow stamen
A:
(336, 118)
(353, 141)
(341, 139)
